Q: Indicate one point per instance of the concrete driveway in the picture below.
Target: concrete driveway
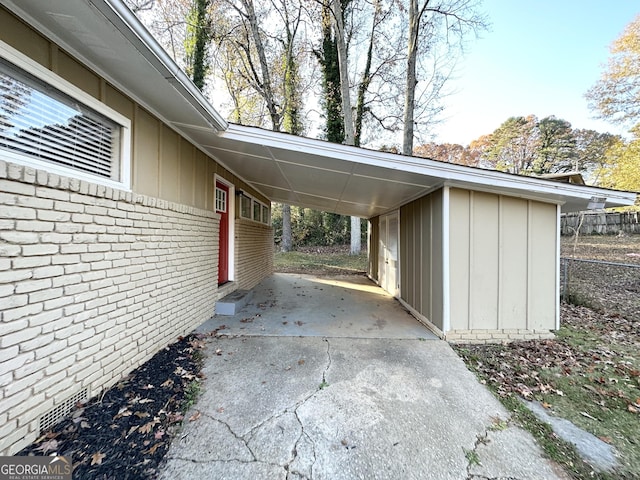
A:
(343, 407)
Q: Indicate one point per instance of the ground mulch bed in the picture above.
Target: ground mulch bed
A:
(126, 432)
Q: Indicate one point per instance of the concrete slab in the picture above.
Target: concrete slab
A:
(597, 453)
(344, 408)
(349, 306)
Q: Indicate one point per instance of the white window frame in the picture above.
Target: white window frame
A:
(25, 63)
(222, 202)
(253, 202)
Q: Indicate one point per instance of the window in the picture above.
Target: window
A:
(252, 209)
(245, 206)
(221, 200)
(66, 132)
(256, 211)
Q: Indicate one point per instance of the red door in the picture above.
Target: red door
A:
(222, 207)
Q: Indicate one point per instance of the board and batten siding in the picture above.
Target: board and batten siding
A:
(421, 262)
(503, 264)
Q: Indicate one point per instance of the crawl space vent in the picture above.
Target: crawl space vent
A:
(58, 412)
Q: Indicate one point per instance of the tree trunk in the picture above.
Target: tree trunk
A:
(356, 245)
(267, 90)
(286, 244)
(344, 72)
(349, 137)
(410, 91)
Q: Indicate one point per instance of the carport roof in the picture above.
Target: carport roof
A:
(107, 36)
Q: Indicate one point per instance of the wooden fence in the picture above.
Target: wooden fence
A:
(602, 223)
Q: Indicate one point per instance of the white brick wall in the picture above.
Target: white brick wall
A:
(92, 284)
(504, 335)
(253, 252)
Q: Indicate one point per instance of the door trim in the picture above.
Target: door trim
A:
(231, 215)
(383, 236)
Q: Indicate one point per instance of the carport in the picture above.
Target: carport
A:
(472, 253)
(337, 306)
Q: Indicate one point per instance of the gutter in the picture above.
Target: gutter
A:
(125, 21)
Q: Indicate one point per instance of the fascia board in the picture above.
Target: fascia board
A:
(452, 173)
(131, 28)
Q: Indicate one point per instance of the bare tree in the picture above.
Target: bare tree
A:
(430, 23)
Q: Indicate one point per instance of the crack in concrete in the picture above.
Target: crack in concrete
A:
(247, 437)
(302, 431)
(329, 360)
(474, 459)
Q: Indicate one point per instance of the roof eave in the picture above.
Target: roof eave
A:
(130, 27)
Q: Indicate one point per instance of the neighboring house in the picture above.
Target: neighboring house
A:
(128, 207)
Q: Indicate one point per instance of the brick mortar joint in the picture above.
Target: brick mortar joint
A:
(31, 176)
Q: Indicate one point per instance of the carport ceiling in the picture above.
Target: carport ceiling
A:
(365, 183)
(315, 179)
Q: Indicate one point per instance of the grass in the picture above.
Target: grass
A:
(191, 394)
(320, 263)
(591, 377)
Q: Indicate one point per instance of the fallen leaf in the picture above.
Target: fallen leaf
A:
(546, 405)
(146, 400)
(585, 414)
(96, 458)
(158, 435)
(632, 409)
(123, 412)
(141, 414)
(168, 383)
(195, 416)
(84, 424)
(131, 430)
(48, 446)
(220, 410)
(153, 449)
(148, 427)
(301, 361)
(148, 387)
(218, 351)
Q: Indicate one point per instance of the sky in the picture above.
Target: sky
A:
(538, 57)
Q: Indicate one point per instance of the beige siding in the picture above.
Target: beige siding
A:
(421, 265)
(542, 274)
(146, 154)
(254, 253)
(502, 261)
(21, 37)
(169, 164)
(74, 72)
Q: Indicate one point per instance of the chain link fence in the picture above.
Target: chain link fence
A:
(606, 286)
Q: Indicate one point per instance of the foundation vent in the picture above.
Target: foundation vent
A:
(58, 412)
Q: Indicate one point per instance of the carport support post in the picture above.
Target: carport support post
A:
(446, 294)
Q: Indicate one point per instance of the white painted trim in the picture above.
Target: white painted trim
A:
(422, 319)
(231, 215)
(559, 211)
(446, 283)
(30, 66)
